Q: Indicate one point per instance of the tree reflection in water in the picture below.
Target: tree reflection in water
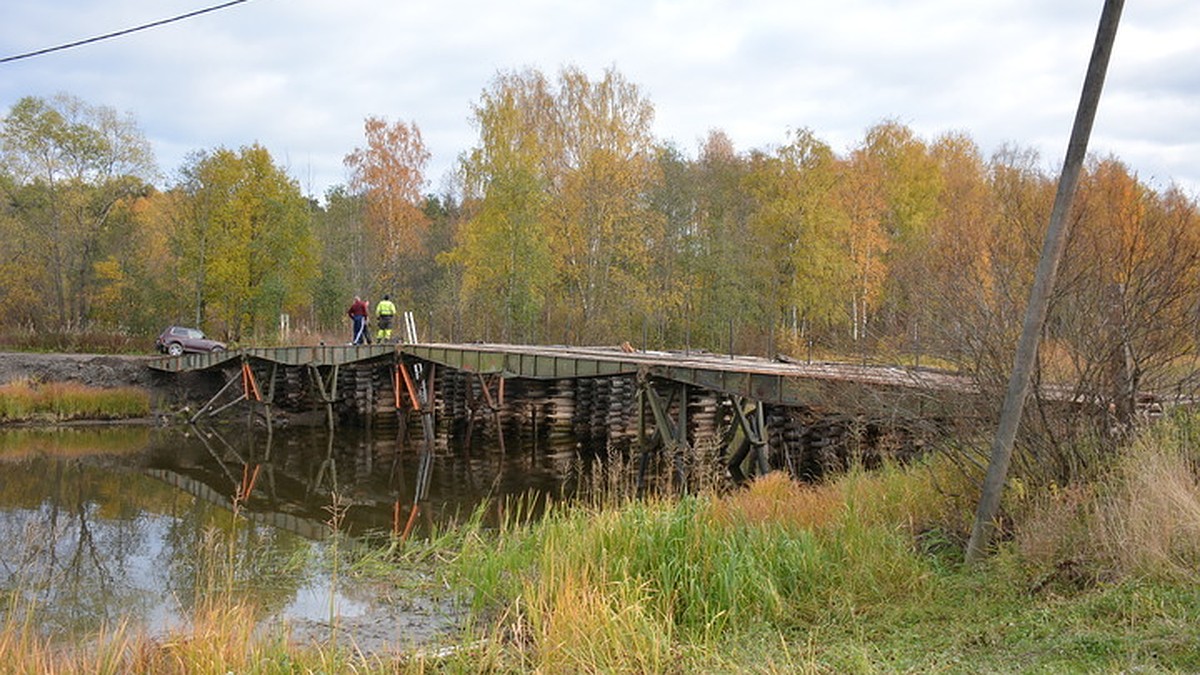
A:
(141, 525)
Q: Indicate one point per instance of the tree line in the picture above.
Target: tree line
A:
(569, 222)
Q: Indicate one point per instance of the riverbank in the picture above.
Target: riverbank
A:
(860, 574)
(55, 388)
(93, 370)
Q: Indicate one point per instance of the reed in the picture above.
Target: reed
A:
(841, 577)
(25, 400)
(587, 585)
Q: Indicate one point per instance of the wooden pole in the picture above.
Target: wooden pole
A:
(204, 408)
(1043, 284)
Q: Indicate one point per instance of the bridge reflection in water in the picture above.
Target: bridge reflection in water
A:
(660, 408)
(130, 525)
(291, 479)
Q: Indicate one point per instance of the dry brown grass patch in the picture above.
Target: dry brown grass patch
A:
(1150, 524)
(776, 499)
(1142, 519)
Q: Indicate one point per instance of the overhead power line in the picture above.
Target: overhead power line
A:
(98, 38)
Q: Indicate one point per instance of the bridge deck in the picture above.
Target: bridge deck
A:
(771, 381)
(320, 355)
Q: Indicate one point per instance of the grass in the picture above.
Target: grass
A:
(859, 575)
(79, 342)
(25, 400)
(862, 574)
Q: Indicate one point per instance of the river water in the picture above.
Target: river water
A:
(129, 524)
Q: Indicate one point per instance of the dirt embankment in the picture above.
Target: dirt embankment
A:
(95, 370)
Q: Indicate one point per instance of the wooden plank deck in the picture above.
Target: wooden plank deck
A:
(767, 380)
(319, 355)
(781, 382)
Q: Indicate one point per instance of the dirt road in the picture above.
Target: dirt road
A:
(96, 370)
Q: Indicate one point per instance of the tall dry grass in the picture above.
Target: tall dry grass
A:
(1141, 519)
(221, 638)
(1148, 522)
(25, 400)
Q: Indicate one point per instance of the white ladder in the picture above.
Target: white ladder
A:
(410, 328)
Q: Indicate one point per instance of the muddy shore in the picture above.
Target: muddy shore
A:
(93, 370)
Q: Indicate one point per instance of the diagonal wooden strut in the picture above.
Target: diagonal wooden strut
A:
(672, 434)
(751, 420)
(421, 397)
(492, 403)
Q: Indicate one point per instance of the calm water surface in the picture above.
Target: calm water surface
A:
(126, 524)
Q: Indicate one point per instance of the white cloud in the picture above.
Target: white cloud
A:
(300, 76)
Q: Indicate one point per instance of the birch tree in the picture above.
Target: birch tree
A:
(71, 164)
(245, 240)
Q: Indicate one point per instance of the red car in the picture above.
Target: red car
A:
(176, 340)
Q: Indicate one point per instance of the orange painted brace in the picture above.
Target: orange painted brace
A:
(396, 388)
(408, 384)
(412, 519)
(248, 481)
(249, 384)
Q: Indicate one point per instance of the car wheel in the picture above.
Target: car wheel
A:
(216, 350)
(174, 349)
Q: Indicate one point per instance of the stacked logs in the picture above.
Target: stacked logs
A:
(295, 389)
(451, 390)
(621, 422)
(528, 408)
(561, 412)
(365, 391)
(601, 412)
(707, 415)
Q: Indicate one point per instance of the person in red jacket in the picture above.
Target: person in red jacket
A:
(358, 321)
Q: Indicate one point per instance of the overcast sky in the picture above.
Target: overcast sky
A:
(300, 76)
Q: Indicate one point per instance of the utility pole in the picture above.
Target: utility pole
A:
(1043, 284)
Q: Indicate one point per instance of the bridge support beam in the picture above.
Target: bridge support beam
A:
(489, 402)
(250, 391)
(327, 390)
(752, 439)
(668, 433)
(422, 397)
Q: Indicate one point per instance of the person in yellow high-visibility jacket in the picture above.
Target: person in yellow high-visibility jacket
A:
(385, 311)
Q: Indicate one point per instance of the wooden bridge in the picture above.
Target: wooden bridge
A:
(753, 414)
(781, 381)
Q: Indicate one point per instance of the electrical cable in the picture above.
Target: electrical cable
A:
(153, 24)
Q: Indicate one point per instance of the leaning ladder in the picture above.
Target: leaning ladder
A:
(410, 328)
